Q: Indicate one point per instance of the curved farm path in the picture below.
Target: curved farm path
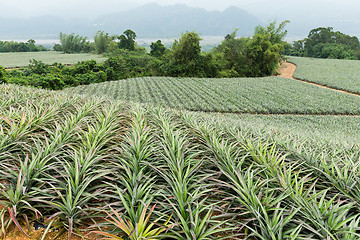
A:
(287, 70)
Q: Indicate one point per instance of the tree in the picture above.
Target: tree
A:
(101, 41)
(232, 55)
(57, 47)
(263, 56)
(325, 43)
(187, 48)
(275, 34)
(157, 49)
(187, 60)
(127, 40)
(298, 48)
(186, 55)
(257, 56)
(71, 43)
(264, 50)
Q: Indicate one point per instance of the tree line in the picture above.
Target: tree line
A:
(324, 42)
(29, 46)
(255, 56)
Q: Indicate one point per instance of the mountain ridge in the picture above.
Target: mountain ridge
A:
(148, 21)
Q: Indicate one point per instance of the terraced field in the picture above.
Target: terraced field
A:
(335, 73)
(22, 59)
(270, 95)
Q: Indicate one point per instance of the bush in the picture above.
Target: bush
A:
(2, 74)
(40, 81)
(36, 67)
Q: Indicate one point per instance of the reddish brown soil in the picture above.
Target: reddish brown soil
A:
(286, 70)
(35, 235)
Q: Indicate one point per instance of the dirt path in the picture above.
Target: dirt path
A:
(287, 70)
(9, 69)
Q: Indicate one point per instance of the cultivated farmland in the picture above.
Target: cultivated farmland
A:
(235, 95)
(335, 73)
(22, 59)
(65, 157)
(334, 130)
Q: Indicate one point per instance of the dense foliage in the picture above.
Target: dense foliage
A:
(255, 56)
(252, 57)
(29, 46)
(326, 43)
(71, 43)
(126, 64)
(2, 75)
(78, 164)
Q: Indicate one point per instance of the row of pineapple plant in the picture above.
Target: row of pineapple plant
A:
(95, 167)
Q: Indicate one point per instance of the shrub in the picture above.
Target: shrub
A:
(2, 74)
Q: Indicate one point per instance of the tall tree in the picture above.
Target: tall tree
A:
(71, 43)
(127, 40)
(186, 55)
(275, 33)
(325, 43)
(101, 41)
(157, 49)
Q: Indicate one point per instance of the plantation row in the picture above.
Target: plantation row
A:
(335, 73)
(334, 130)
(234, 95)
(73, 159)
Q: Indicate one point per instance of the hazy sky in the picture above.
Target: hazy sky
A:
(91, 8)
(308, 14)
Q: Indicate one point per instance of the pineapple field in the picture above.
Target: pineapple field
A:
(94, 167)
(336, 73)
(271, 95)
(22, 59)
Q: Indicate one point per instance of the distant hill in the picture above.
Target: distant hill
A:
(153, 20)
(148, 21)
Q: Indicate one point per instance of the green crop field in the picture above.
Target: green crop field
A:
(75, 160)
(180, 158)
(235, 95)
(336, 73)
(21, 59)
(332, 129)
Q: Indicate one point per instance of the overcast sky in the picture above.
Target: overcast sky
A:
(341, 14)
(91, 8)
